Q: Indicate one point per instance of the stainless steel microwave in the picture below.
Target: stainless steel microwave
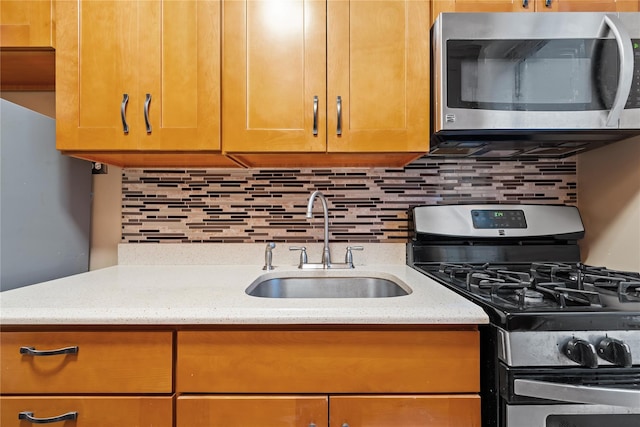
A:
(533, 84)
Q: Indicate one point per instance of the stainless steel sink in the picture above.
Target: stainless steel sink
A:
(326, 287)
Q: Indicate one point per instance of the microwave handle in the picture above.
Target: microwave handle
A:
(625, 76)
(577, 393)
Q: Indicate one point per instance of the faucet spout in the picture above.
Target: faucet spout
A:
(326, 255)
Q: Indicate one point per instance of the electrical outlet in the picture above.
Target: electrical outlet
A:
(98, 168)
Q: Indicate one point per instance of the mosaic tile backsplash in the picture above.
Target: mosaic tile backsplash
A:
(365, 205)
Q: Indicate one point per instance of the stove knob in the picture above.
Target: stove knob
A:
(581, 352)
(615, 351)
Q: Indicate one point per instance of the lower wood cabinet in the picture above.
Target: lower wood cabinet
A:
(86, 378)
(249, 411)
(405, 410)
(341, 377)
(87, 411)
(280, 376)
(332, 411)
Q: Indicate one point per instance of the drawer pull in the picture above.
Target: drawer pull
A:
(64, 417)
(31, 351)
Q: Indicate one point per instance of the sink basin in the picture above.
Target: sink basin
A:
(326, 287)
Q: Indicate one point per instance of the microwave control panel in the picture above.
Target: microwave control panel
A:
(634, 96)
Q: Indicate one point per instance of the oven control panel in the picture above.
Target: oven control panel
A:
(564, 348)
(495, 220)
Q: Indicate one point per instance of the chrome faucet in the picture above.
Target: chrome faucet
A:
(268, 256)
(326, 254)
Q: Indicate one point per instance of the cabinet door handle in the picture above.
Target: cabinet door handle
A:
(315, 116)
(123, 112)
(28, 416)
(339, 127)
(31, 351)
(547, 3)
(147, 101)
(525, 3)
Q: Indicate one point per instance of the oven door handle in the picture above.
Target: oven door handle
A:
(577, 393)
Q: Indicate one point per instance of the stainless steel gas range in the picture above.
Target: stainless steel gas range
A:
(563, 344)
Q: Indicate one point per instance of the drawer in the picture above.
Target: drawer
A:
(145, 411)
(254, 410)
(105, 362)
(386, 361)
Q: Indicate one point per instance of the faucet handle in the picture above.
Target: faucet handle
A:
(303, 254)
(348, 257)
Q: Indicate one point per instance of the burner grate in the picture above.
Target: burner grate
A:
(544, 285)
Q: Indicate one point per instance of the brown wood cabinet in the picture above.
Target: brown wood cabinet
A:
(254, 410)
(138, 82)
(108, 378)
(373, 376)
(335, 83)
(90, 411)
(27, 40)
(333, 411)
(405, 410)
(26, 23)
(438, 6)
(243, 376)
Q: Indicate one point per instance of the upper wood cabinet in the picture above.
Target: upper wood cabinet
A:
(25, 23)
(138, 82)
(27, 39)
(587, 5)
(438, 6)
(337, 82)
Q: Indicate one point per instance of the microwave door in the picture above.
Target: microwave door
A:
(498, 79)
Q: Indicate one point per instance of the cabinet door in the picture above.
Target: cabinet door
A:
(415, 411)
(26, 23)
(274, 66)
(97, 61)
(587, 5)
(91, 411)
(378, 76)
(163, 56)
(180, 70)
(439, 6)
(246, 411)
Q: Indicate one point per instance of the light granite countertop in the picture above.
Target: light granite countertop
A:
(168, 285)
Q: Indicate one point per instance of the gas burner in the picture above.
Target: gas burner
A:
(629, 292)
(530, 295)
(544, 285)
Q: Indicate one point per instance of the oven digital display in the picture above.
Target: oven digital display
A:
(494, 218)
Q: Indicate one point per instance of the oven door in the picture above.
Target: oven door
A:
(571, 415)
(575, 397)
